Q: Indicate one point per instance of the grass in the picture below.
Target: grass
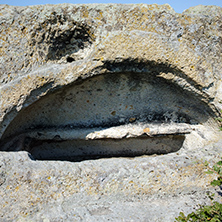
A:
(212, 213)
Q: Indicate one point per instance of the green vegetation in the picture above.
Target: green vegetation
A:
(212, 213)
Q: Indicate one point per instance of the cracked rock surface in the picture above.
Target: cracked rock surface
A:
(108, 112)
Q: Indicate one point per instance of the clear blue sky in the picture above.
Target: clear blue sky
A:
(178, 5)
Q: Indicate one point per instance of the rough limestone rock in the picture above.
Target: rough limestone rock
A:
(108, 112)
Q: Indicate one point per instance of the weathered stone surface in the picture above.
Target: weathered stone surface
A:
(82, 82)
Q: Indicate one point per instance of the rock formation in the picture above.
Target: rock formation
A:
(129, 97)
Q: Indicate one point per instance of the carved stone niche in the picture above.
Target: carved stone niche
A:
(121, 113)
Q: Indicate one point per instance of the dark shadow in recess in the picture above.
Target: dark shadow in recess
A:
(121, 88)
(79, 150)
(70, 59)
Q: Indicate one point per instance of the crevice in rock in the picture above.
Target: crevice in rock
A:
(79, 150)
(75, 144)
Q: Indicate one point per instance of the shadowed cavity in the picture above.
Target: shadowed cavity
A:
(57, 126)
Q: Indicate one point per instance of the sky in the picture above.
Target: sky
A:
(178, 5)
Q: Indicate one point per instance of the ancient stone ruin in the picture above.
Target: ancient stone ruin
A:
(108, 112)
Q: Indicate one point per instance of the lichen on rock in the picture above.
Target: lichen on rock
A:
(128, 96)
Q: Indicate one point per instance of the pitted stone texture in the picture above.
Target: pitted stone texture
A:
(93, 37)
(46, 48)
(147, 188)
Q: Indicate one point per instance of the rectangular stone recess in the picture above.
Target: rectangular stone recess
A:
(78, 150)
